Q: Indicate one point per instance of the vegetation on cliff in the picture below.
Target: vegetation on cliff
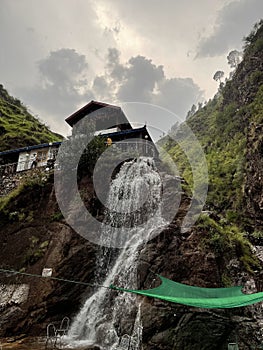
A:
(18, 128)
(223, 127)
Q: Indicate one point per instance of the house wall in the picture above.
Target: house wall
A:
(26, 158)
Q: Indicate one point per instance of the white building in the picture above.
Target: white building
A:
(29, 157)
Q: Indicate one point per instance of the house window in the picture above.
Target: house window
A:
(42, 156)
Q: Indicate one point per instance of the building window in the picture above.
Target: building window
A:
(42, 156)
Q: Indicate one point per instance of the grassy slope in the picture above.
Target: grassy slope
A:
(221, 128)
(18, 128)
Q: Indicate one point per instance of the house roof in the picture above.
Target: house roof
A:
(29, 148)
(130, 132)
(88, 108)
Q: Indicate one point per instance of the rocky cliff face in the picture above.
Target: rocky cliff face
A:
(254, 175)
(38, 237)
(169, 326)
(34, 236)
(187, 259)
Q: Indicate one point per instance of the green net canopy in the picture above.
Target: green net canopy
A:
(212, 298)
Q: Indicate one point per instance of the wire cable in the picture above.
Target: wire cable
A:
(14, 272)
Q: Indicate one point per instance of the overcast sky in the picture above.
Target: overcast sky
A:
(58, 55)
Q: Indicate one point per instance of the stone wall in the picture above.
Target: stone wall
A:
(8, 182)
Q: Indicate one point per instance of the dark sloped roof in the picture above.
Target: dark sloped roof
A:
(129, 132)
(29, 148)
(88, 108)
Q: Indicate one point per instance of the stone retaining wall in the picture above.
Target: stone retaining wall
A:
(11, 181)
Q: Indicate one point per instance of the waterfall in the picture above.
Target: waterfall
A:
(110, 319)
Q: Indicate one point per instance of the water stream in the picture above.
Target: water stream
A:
(108, 318)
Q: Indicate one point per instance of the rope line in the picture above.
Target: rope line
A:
(52, 278)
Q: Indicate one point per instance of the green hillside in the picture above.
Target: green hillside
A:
(18, 128)
(226, 128)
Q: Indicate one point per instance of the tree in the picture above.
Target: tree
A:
(90, 154)
(234, 58)
(191, 112)
(218, 75)
(252, 36)
(200, 105)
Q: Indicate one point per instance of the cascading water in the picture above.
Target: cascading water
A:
(134, 205)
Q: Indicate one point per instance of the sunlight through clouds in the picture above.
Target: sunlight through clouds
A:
(184, 42)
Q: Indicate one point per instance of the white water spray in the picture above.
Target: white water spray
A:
(109, 319)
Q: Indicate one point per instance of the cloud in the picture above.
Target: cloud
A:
(169, 23)
(178, 95)
(115, 69)
(140, 80)
(63, 67)
(234, 21)
(100, 84)
(61, 87)
(18, 46)
(30, 30)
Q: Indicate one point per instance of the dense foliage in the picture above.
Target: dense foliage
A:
(221, 127)
(224, 128)
(18, 128)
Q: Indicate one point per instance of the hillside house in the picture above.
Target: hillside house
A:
(110, 121)
(103, 119)
(25, 158)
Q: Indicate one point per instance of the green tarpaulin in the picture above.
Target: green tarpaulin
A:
(196, 296)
